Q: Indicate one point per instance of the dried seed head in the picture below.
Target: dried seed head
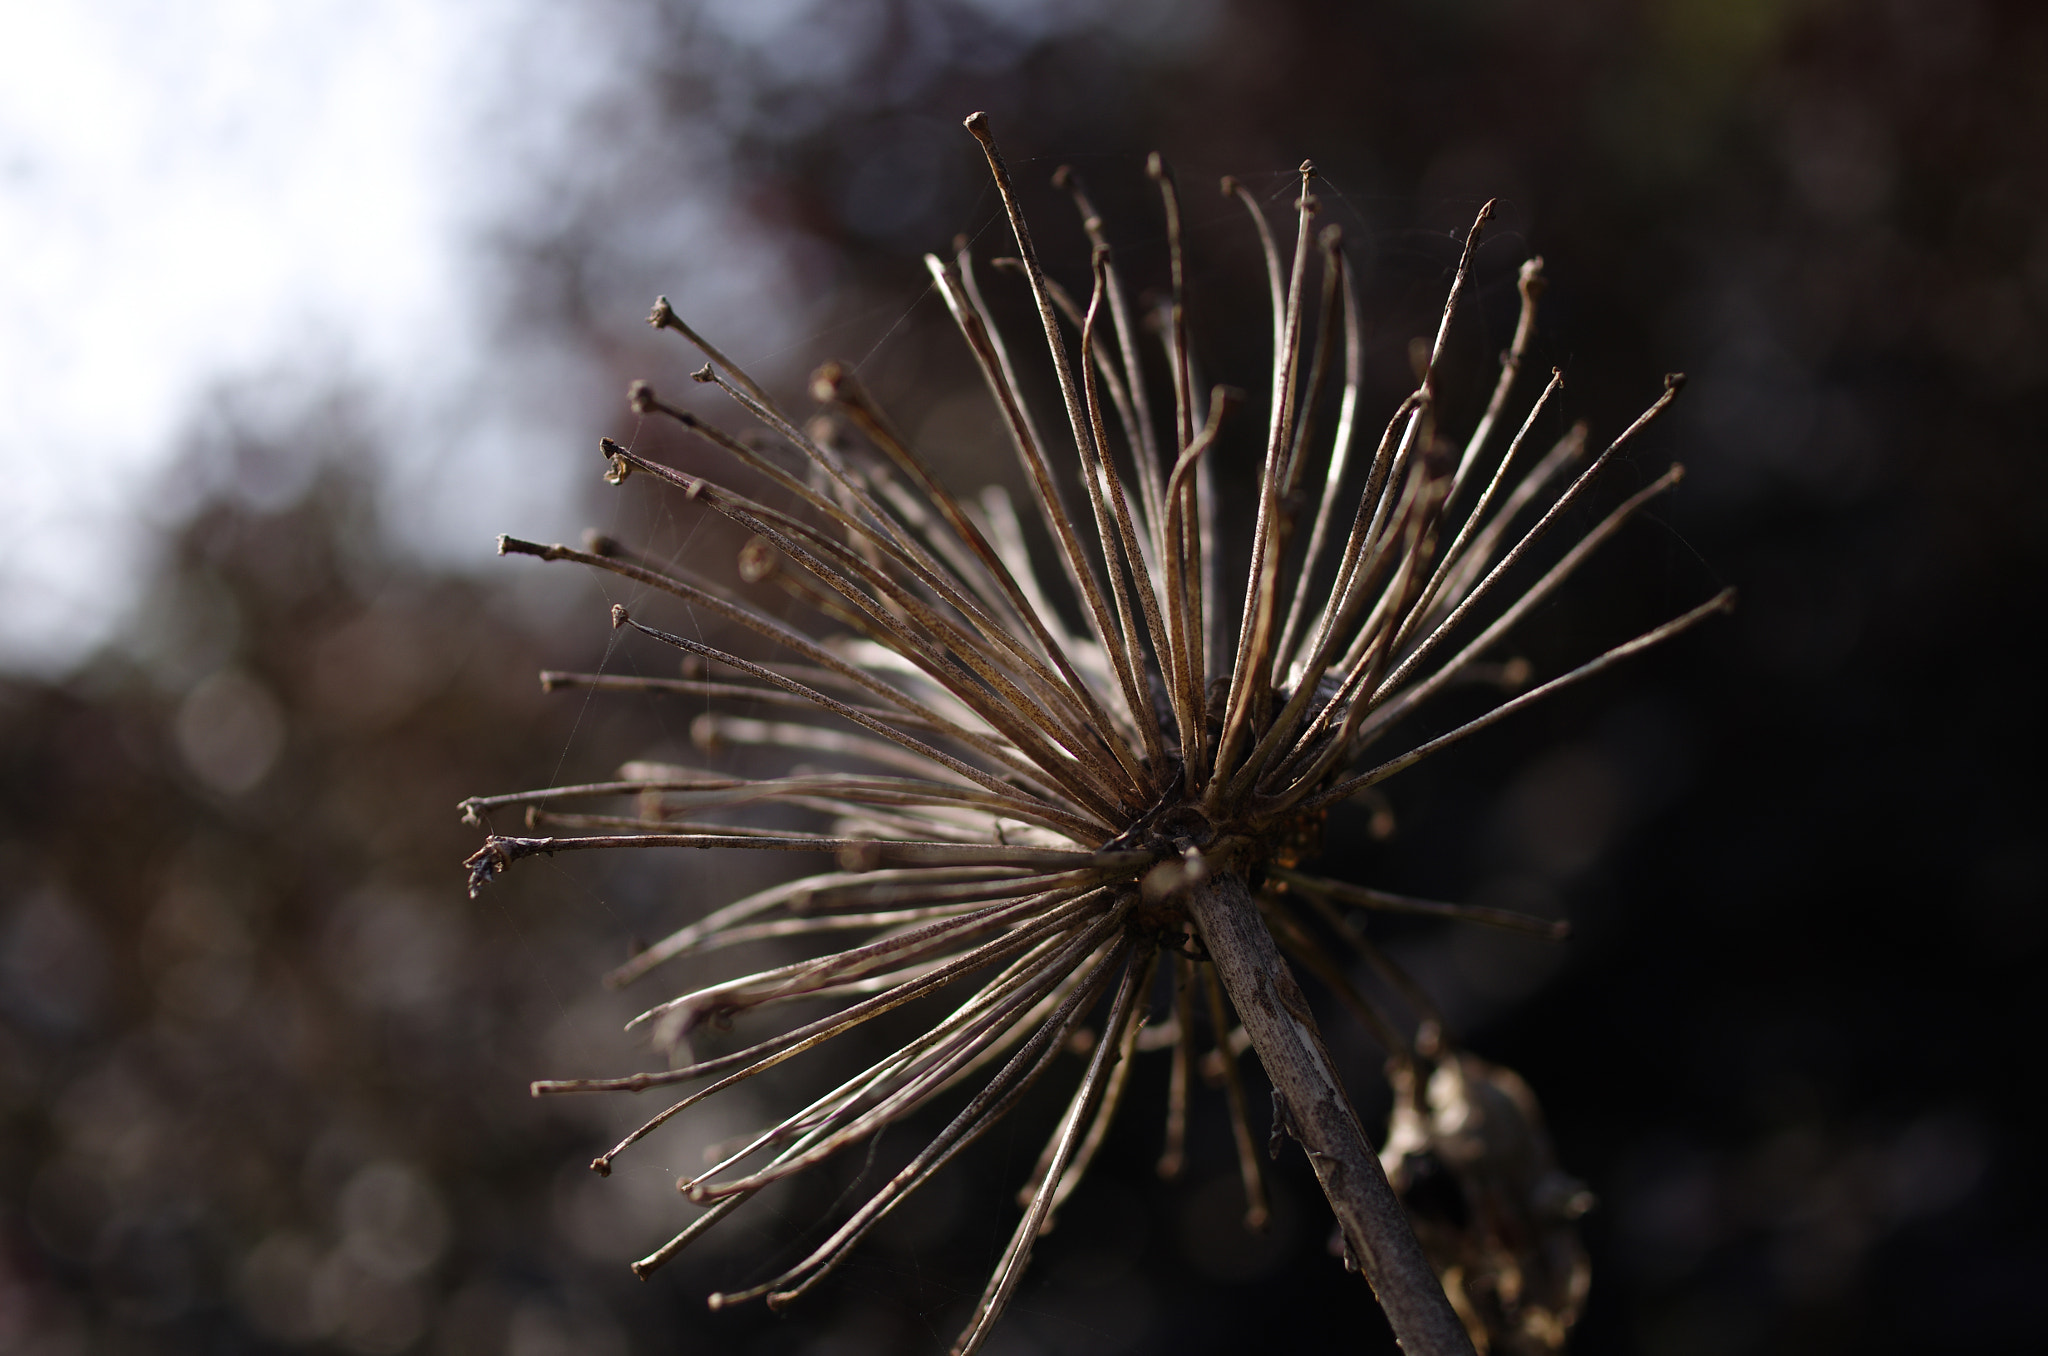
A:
(1037, 820)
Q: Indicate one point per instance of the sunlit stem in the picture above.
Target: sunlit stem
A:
(1376, 1231)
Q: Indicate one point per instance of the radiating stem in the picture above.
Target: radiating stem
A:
(1283, 1031)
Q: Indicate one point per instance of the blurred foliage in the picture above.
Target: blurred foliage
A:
(262, 1067)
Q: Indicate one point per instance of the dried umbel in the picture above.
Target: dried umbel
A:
(1063, 831)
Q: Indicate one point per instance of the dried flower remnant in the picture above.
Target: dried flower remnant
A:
(1469, 1157)
(1062, 827)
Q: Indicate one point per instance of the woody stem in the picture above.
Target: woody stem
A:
(1283, 1031)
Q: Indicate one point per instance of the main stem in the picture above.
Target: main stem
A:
(1283, 1031)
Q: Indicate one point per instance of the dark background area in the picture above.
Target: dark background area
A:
(263, 1066)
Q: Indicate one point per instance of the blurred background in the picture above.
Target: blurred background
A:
(301, 305)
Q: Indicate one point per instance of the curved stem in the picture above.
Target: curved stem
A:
(1283, 1031)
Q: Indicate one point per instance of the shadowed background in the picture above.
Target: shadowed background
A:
(263, 1066)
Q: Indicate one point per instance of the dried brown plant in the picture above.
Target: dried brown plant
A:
(1068, 825)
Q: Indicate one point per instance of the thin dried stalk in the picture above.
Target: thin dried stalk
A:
(1376, 1233)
